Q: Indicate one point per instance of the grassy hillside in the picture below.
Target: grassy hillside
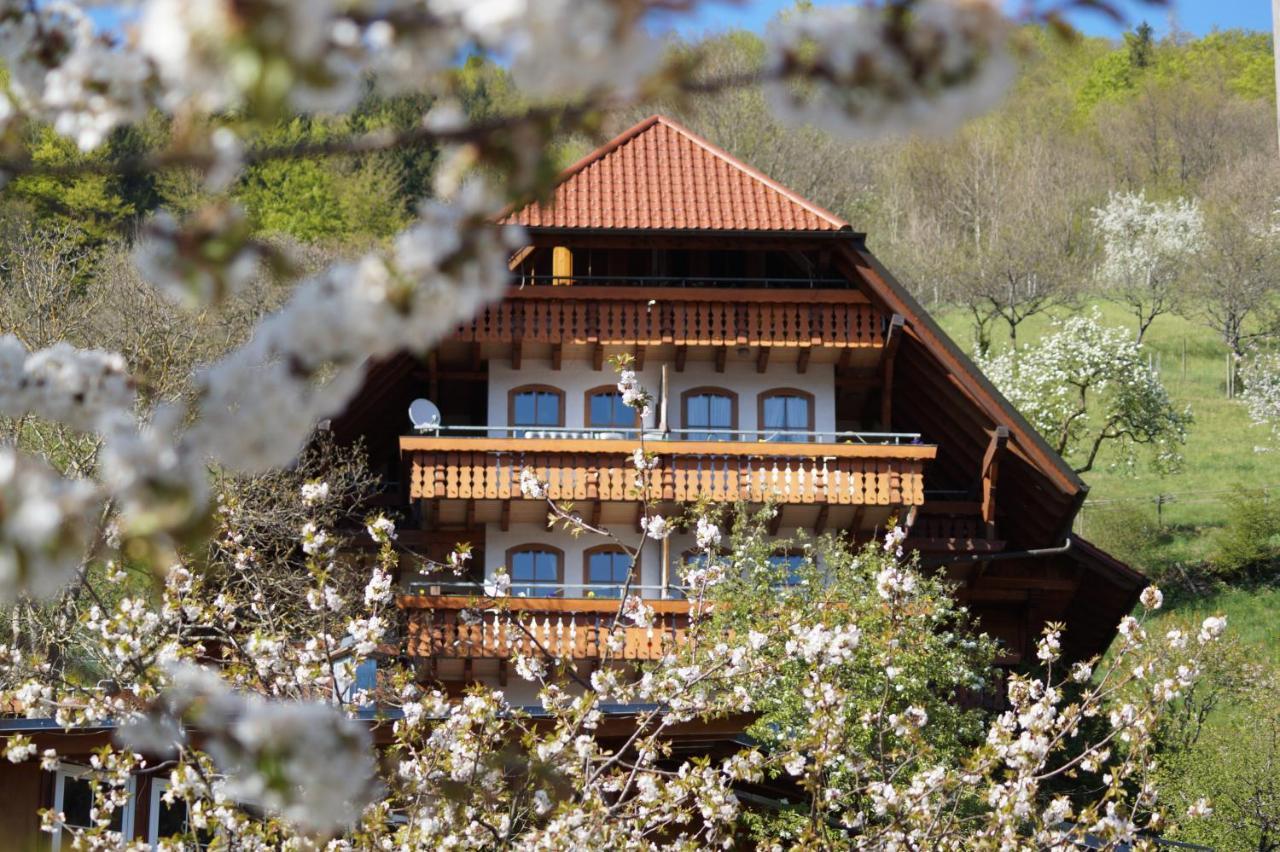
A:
(1225, 452)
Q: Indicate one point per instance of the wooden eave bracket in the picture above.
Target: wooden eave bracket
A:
(990, 475)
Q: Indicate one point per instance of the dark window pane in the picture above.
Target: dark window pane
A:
(172, 818)
(77, 801)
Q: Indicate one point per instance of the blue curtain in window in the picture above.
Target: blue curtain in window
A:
(607, 569)
(705, 413)
(535, 566)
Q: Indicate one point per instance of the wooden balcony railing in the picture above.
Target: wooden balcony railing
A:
(684, 317)
(449, 627)
(590, 470)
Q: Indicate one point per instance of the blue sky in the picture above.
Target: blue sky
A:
(1195, 16)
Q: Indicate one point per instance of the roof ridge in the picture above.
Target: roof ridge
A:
(716, 150)
(685, 182)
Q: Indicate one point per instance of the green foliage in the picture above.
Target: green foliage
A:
(1249, 542)
(1127, 531)
(934, 657)
(1235, 765)
(94, 204)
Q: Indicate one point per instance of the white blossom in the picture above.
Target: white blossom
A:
(655, 527)
(381, 529)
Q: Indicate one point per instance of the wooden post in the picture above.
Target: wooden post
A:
(665, 573)
(892, 338)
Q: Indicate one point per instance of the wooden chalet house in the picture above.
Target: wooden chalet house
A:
(792, 368)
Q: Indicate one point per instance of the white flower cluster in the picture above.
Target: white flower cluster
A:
(499, 585)
(655, 527)
(531, 486)
(824, 646)
(633, 394)
(439, 272)
(72, 386)
(64, 72)
(1261, 396)
(46, 523)
(707, 534)
(894, 582)
(873, 69)
(1147, 243)
(381, 529)
(378, 589)
(314, 493)
(637, 611)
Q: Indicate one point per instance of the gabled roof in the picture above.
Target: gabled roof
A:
(661, 176)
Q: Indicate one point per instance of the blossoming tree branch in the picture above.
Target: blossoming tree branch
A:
(854, 675)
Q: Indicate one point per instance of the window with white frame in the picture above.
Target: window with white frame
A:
(169, 819)
(73, 798)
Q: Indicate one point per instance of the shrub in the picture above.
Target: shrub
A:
(1249, 543)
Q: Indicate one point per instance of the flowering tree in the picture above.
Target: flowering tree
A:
(284, 755)
(1086, 386)
(1261, 374)
(1147, 247)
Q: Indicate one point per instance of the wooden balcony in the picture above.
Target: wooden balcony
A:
(590, 470)
(571, 629)
(693, 316)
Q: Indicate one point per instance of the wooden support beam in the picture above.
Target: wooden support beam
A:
(475, 356)
(596, 508)
(639, 518)
(991, 475)
(597, 357)
(682, 352)
(892, 338)
(517, 354)
(557, 355)
(504, 520)
(502, 671)
(433, 375)
(842, 366)
(775, 523)
(468, 671)
(722, 352)
(859, 512)
(820, 525)
(802, 359)
(471, 514)
(639, 358)
(762, 359)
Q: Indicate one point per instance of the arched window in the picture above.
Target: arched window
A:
(605, 569)
(537, 570)
(785, 414)
(535, 405)
(604, 409)
(710, 414)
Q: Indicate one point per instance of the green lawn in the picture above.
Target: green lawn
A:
(1221, 454)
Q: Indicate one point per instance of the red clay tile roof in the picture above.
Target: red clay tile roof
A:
(661, 176)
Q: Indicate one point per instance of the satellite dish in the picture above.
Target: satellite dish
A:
(424, 415)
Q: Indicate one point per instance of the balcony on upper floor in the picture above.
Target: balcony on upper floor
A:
(457, 627)
(801, 319)
(842, 472)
